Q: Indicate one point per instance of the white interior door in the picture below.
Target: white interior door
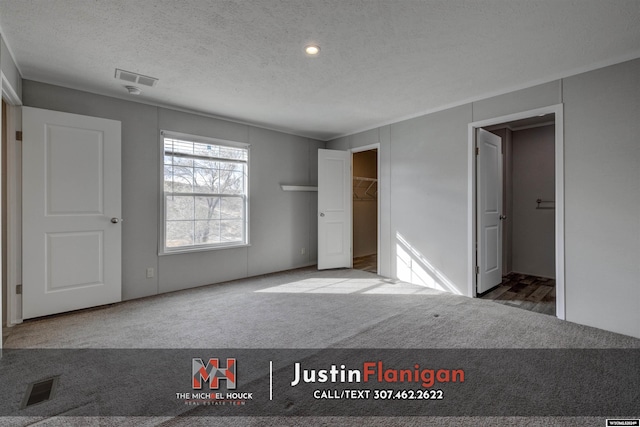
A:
(71, 212)
(489, 209)
(334, 209)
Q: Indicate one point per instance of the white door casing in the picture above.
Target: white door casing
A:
(334, 209)
(472, 223)
(71, 212)
(489, 197)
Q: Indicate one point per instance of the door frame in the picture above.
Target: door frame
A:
(14, 208)
(558, 110)
(369, 147)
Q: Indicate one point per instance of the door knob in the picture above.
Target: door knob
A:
(321, 213)
(116, 220)
(503, 217)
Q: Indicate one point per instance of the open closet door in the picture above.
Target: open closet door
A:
(334, 209)
(489, 210)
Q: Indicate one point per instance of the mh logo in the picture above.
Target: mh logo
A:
(213, 372)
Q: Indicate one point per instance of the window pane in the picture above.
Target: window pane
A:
(230, 231)
(179, 207)
(231, 182)
(177, 160)
(192, 221)
(232, 208)
(207, 208)
(204, 163)
(231, 166)
(205, 180)
(181, 177)
(233, 153)
(207, 232)
(168, 178)
(179, 233)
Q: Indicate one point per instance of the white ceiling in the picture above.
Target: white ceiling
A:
(380, 61)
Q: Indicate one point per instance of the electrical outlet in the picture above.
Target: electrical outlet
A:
(149, 273)
(303, 251)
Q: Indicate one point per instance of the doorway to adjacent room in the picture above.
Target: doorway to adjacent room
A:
(516, 223)
(365, 209)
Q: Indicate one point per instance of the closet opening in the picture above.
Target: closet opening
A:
(516, 184)
(365, 210)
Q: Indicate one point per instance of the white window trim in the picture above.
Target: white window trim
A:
(162, 250)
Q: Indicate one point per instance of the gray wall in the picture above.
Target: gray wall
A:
(424, 191)
(533, 175)
(365, 208)
(281, 223)
(429, 199)
(602, 181)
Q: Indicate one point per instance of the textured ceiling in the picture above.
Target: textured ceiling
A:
(381, 61)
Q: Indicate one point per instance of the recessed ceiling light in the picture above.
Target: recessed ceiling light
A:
(312, 49)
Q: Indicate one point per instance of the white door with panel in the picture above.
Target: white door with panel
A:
(71, 205)
(334, 209)
(489, 210)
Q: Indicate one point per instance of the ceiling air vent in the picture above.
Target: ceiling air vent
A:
(130, 77)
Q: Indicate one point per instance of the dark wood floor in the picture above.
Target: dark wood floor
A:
(528, 292)
(366, 263)
(516, 290)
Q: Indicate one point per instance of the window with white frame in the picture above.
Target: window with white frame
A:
(205, 193)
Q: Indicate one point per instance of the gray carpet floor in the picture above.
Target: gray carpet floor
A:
(308, 309)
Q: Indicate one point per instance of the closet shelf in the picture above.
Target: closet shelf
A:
(369, 185)
(298, 187)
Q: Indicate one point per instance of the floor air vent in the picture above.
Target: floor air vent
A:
(39, 392)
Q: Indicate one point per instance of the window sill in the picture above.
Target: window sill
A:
(203, 249)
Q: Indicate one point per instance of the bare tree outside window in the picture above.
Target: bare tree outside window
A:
(205, 194)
